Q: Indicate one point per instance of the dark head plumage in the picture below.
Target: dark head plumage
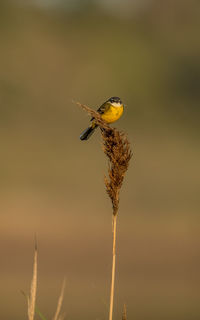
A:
(115, 100)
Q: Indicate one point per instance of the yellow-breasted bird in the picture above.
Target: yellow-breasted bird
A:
(110, 111)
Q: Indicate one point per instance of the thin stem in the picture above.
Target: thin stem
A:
(113, 266)
(33, 289)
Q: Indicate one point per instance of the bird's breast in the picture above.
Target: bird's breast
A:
(112, 114)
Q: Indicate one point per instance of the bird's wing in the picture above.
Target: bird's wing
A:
(104, 107)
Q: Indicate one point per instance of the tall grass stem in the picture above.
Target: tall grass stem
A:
(114, 226)
(60, 301)
(33, 289)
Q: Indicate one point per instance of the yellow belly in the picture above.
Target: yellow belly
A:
(112, 114)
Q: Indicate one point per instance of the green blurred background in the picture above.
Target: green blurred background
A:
(51, 183)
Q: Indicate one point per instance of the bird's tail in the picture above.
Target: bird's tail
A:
(85, 135)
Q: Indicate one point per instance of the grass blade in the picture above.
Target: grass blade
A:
(33, 289)
(124, 315)
(59, 304)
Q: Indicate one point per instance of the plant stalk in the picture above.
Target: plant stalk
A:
(113, 266)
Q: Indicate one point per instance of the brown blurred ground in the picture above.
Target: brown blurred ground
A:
(52, 183)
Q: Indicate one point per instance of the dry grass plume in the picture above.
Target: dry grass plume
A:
(117, 149)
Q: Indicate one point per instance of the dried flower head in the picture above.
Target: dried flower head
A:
(117, 149)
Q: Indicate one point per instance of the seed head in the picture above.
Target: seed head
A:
(117, 149)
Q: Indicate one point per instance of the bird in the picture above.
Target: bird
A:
(110, 111)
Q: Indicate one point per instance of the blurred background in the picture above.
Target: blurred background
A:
(148, 53)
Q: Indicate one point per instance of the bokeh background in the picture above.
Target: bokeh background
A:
(148, 53)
